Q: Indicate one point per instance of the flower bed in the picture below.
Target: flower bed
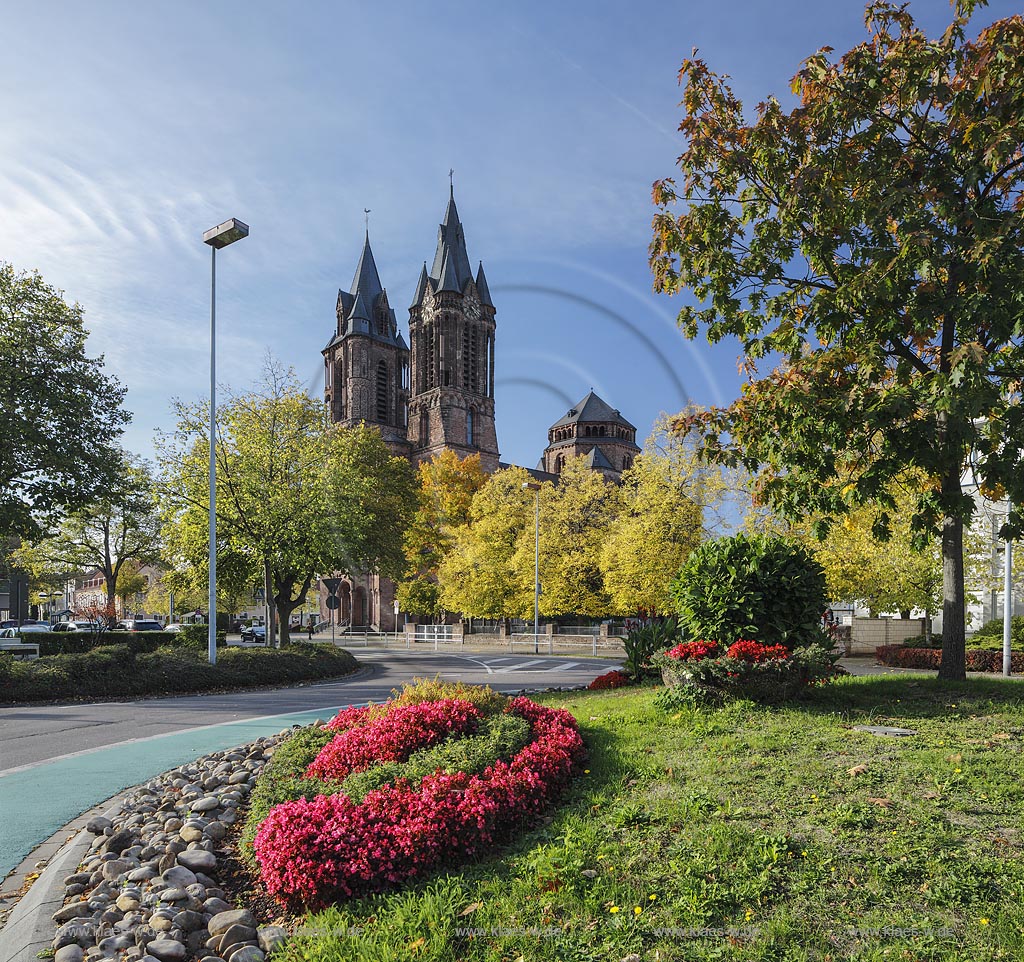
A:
(977, 659)
(746, 669)
(314, 851)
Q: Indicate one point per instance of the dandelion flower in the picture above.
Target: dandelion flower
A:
(614, 909)
(637, 910)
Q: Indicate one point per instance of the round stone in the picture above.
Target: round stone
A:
(197, 860)
(206, 804)
(167, 950)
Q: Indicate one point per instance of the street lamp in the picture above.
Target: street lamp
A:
(535, 488)
(217, 237)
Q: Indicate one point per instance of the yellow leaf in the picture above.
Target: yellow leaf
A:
(858, 769)
(471, 908)
(881, 802)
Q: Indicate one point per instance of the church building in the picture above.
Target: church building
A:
(436, 393)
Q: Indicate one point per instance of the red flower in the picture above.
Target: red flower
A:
(611, 679)
(314, 852)
(755, 652)
(694, 650)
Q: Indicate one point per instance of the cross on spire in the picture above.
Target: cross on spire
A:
(451, 179)
(366, 217)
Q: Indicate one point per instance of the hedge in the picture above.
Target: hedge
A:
(118, 670)
(79, 642)
(978, 659)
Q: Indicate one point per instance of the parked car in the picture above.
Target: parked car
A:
(133, 625)
(13, 622)
(76, 626)
(254, 633)
(25, 629)
(174, 626)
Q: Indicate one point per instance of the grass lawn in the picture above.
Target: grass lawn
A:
(782, 834)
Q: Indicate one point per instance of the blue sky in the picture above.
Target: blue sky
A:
(130, 128)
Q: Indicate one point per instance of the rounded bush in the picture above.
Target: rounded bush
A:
(760, 588)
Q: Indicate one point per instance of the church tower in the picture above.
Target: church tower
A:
(366, 362)
(451, 329)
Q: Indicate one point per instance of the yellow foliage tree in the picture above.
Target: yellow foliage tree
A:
(447, 484)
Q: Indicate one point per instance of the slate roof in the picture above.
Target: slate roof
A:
(592, 408)
(451, 270)
(596, 459)
(360, 303)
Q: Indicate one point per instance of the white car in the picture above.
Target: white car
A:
(175, 626)
(23, 630)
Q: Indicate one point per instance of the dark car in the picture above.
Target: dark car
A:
(254, 633)
(139, 626)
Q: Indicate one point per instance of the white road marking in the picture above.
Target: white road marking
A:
(525, 664)
(566, 667)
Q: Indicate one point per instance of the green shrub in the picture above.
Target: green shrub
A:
(120, 670)
(503, 736)
(990, 634)
(79, 642)
(644, 642)
(196, 638)
(761, 588)
(482, 697)
(281, 781)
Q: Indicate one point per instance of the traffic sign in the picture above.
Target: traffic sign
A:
(332, 584)
(332, 602)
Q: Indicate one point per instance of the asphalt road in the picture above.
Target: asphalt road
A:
(59, 761)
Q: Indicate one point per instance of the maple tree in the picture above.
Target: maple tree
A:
(869, 243)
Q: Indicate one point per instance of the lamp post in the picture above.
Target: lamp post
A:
(217, 237)
(535, 488)
(1007, 599)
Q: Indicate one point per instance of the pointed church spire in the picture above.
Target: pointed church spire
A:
(421, 288)
(451, 246)
(366, 280)
(481, 287)
(449, 279)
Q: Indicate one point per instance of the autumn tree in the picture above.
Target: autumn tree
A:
(897, 574)
(447, 484)
(575, 518)
(479, 575)
(297, 495)
(868, 242)
(660, 522)
(130, 583)
(61, 416)
(118, 530)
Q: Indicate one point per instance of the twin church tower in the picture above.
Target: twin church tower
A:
(436, 393)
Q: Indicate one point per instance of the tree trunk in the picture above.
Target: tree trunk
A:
(285, 607)
(268, 596)
(953, 665)
(905, 615)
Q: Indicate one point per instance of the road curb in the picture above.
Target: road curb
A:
(29, 929)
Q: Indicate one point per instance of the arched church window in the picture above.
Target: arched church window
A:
(469, 428)
(382, 391)
(424, 428)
